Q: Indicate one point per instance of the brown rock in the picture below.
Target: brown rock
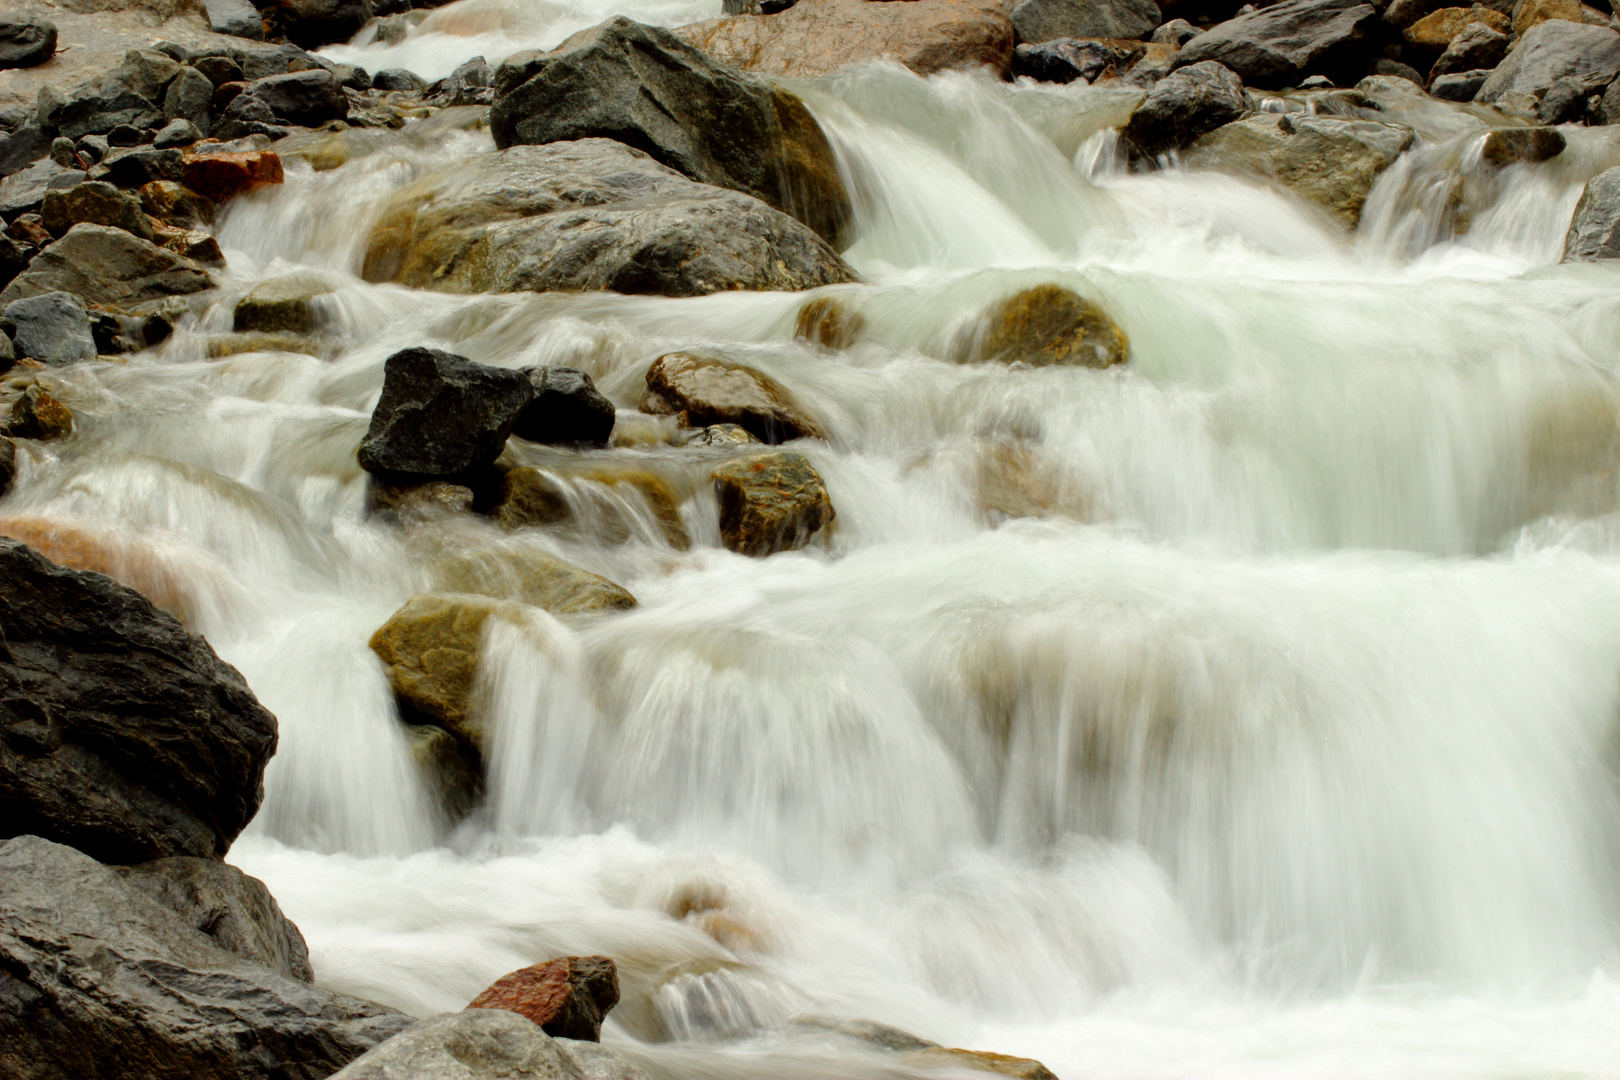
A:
(286, 305)
(1528, 13)
(700, 390)
(448, 768)
(412, 504)
(1435, 31)
(567, 997)
(175, 204)
(224, 176)
(1507, 146)
(983, 1061)
(602, 502)
(1046, 325)
(826, 321)
(770, 502)
(38, 415)
(97, 202)
(816, 37)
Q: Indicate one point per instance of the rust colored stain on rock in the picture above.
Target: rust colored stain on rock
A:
(221, 176)
(567, 997)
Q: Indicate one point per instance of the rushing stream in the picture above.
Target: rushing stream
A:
(1246, 711)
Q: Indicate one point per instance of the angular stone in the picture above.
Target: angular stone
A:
(431, 647)
(1279, 44)
(1594, 230)
(175, 134)
(310, 24)
(567, 997)
(104, 982)
(238, 18)
(1036, 21)
(129, 94)
(141, 165)
(1063, 60)
(110, 267)
(53, 328)
(306, 98)
(26, 40)
(826, 321)
(23, 191)
(1552, 69)
(96, 202)
(441, 415)
(770, 502)
(700, 390)
(473, 83)
(567, 408)
(36, 415)
(487, 1044)
(396, 79)
(1508, 146)
(126, 736)
(1042, 326)
(1476, 47)
(224, 176)
(1529, 13)
(284, 305)
(219, 70)
(1185, 104)
(1458, 85)
(190, 97)
(177, 205)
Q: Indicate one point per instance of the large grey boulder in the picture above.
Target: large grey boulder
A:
(487, 1044)
(1184, 105)
(1280, 44)
(120, 733)
(1036, 21)
(441, 415)
(238, 18)
(646, 88)
(26, 40)
(108, 266)
(53, 328)
(98, 981)
(306, 98)
(587, 215)
(1594, 231)
(1552, 70)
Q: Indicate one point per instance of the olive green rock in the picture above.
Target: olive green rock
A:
(770, 502)
(1043, 326)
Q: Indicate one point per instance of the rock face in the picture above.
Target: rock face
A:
(1330, 160)
(486, 1044)
(124, 735)
(648, 89)
(1042, 20)
(441, 415)
(1594, 231)
(1279, 44)
(770, 502)
(1043, 326)
(52, 328)
(108, 266)
(1184, 105)
(26, 41)
(236, 911)
(1553, 69)
(587, 215)
(102, 982)
(567, 408)
(700, 390)
(817, 37)
(567, 997)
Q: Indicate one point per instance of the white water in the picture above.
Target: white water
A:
(1274, 736)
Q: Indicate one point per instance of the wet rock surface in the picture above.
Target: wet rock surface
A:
(567, 997)
(1594, 231)
(486, 1044)
(566, 408)
(1184, 105)
(441, 415)
(770, 502)
(1045, 325)
(700, 390)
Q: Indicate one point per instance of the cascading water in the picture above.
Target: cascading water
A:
(1246, 711)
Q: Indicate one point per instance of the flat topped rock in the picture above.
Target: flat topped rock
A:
(108, 266)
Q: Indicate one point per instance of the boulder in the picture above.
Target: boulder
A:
(190, 97)
(24, 191)
(448, 769)
(441, 415)
(827, 322)
(26, 40)
(1063, 60)
(140, 165)
(1331, 160)
(1043, 326)
(567, 408)
(105, 983)
(587, 215)
(700, 390)
(1459, 85)
(817, 37)
(225, 176)
(128, 94)
(1035, 21)
(1594, 231)
(309, 24)
(649, 89)
(567, 997)
(486, 1044)
(1184, 105)
(1280, 44)
(1528, 13)
(110, 267)
(36, 414)
(1431, 34)
(236, 18)
(96, 202)
(531, 576)
(236, 911)
(219, 70)
(284, 305)
(769, 502)
(125, 736)
(1509, 146)
(1552, 70)
(1476, 47)
(175, 134)
(391, 79)
(306, 98)
(53, 328)
(177, 205)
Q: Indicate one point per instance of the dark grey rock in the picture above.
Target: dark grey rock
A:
(141, 165)
(1552, 69)
(1278, 45)
(1530, 145)
(1386, 66)
(93, 148)
(27, 143)
(96, 107)
(238, 18)
(176, 133)
(398, 79)
(219, 70)
(1478, 46)
(1063, 60)
(1458, 86)
(567, 408)
(64, 153)
(1176, 32)
(233, 909)
(23, 191)
(26, 40)
(650, 90)
(123, 734)
(1035, 21)
(97, 202)
(1594, 231)
(98, 981)
(306, 98)
(53, 328)
(352, 76)
(486, 1044)
(441, 415)
(14, 258)
(1185, 104)
(110, 267)
(8, 454)
(125, 136)
(190, 97)
(248, 115)
(313, 23)
(473, 83)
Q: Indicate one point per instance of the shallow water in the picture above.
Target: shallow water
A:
(1246, 711)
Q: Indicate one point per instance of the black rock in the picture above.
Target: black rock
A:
(124, 136)
(1064, 60)
(306, 98)
(53, 328)
(190, 97)
(1278, 45)
(313, 23)
(238, 18)
(1183, 105)
(15, 256)
(219, 69)
(98, 981)
(441, 415)
(120, 733)
(398, 79)
(8, 457)
(26, 40)
(142, 165)
(248, 115)
(1459, 85)
(567, 408)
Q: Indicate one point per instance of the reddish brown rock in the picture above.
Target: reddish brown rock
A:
(567, 997)
(222, 176)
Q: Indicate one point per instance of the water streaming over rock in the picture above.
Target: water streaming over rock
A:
(1248, 710)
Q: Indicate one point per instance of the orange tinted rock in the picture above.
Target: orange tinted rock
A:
(222, 176)
(567, 997)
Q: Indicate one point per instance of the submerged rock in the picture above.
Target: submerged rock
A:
(110, 267)
(566, 409)
(284, 305)
(412, 504)
(486, 1044)
(1036, 21)
(567, 997)
(770, 502)
(1045, 325)
(1184, 105)
(1594, 231)
(1281, 43)
(8, 464)
(827, 321)
(700, 390)
(646, 88)
(586, 215)
(609, 505)
(105, 983)
(53, 328)
(1552, 70)
(448, 769)
(530, 576)
(441, 415)
(1507, 146)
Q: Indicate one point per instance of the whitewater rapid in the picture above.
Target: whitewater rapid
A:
(1249, 710)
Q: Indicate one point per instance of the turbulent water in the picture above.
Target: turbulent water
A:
(1249, 710)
